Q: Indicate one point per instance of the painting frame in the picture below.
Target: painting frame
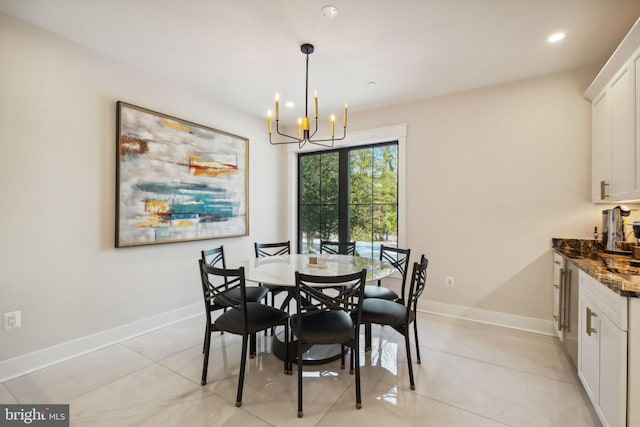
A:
(176, 180)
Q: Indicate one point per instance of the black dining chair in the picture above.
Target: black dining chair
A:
(329, 318)
(272, 249)
(337, 248)
(399, 259)
(399, 314)
(215, 258)
(219, 287)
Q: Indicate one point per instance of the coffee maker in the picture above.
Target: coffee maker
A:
(613, 235)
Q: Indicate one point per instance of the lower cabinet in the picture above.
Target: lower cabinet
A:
(602, 350)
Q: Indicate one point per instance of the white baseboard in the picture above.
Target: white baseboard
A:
(529, 324)
(20, 365)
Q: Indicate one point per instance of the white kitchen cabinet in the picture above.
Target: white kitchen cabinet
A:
(613, 140)
(613, 373)
(614, 95)
(602, 350)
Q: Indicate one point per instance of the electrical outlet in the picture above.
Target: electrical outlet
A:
(450, 282)
(12, 320)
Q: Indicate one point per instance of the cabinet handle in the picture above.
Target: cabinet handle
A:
(567, 302)
(589, 328)
(603, 190)
(563, 279)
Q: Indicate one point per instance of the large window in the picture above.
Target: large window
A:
(349, 194)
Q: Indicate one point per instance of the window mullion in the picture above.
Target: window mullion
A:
(343, 198)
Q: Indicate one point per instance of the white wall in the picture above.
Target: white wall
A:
(492, 175)
(58, 264)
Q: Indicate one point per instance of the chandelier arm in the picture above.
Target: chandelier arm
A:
(330, 139)
(295, 141)
(284, 134)
(315, 130)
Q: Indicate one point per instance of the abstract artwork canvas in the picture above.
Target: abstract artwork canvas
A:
(177, 180)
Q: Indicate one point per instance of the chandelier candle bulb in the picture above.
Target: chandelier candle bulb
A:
(333, 125)
(277, 107)
(270, 122)
(315, 102)
(345, 115)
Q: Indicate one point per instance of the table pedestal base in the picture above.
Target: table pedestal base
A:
(312, 355)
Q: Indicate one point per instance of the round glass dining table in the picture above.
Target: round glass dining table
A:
(280, 270)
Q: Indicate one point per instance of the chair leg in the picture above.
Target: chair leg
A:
(252, 351)
(356, 350)
(341, 356)
(415, 333)
(367, 337)
(300, 413)
(287, 367)
(205, 361)
(243, 364)
(351, 361)
(408, 346)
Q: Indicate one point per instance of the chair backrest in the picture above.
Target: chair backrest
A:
(399, 258)
(418, 283)
(272, 249)
(347, 294)
(341, 248)
(216, 284)
(214, 257)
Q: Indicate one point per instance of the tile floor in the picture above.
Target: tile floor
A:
(471, 375)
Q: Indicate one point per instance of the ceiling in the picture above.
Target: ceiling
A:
(374, 53)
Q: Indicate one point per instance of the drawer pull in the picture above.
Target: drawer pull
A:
(603, 190)
(590, 313)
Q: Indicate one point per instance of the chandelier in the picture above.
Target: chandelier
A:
(304, 124)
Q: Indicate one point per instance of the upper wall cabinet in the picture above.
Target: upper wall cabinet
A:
(615, 98)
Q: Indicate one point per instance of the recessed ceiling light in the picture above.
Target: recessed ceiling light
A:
(556, 37)
(289, 104)
(329, 12)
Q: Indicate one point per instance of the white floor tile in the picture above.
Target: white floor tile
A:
(66, 380)
(471, 375)
(6, 396)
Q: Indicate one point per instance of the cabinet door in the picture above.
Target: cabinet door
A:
(623, 153)
(635, 64)
(613, 373)
(601, 149)
(588, 346)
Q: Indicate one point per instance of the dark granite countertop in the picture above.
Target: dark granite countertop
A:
(612, 270)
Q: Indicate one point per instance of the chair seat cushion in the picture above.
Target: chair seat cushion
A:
(259, 317)
(254, 294)
(325, 327)
(384, 312)
(373, 291)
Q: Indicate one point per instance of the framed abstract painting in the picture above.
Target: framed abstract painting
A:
(177, 180)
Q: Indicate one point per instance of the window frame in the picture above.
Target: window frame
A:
(396, 132)
(344, 204)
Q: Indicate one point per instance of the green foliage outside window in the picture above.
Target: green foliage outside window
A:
(372, 210)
